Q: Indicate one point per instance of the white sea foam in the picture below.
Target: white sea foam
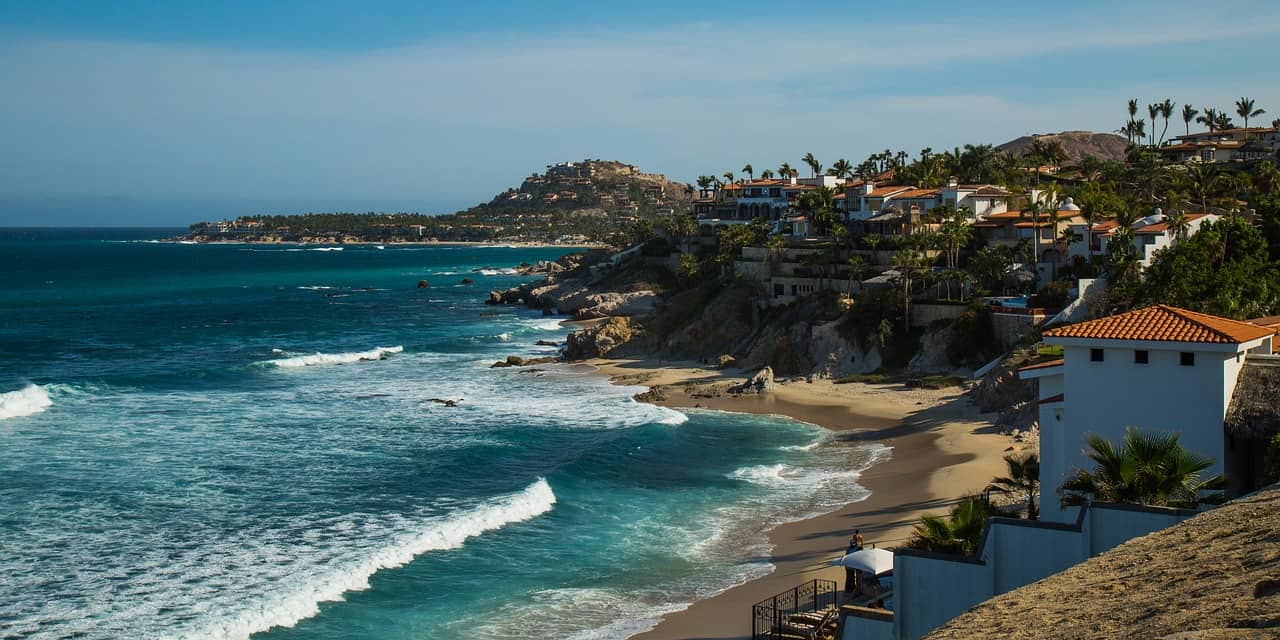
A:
(497, 272)
(26, 401)
(377, 353)
(314, 287)
(803, 447)
(298, 601)
(326, 249)
(548, 325)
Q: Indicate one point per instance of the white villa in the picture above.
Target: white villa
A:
(1211, 380)
(864, 201)
(1190, 362)
(1228, 145)
(1150, 235)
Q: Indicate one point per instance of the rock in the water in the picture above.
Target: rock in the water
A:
(517, 361)
(760, 382)
(445, 402)
(547, 343)
(423, 284)
(468, 281)
(495, 297)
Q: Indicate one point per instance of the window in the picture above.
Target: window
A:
(1188, 359)
(1140, 357)
(1095, 355)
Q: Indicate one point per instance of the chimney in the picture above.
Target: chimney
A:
(868, 187)
(793, 179)
(953, 182)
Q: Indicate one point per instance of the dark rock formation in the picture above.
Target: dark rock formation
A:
(760, 382)
(423, 284)
(601, 340)
(468, 281)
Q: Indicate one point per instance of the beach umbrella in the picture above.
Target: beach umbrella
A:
(873, 561)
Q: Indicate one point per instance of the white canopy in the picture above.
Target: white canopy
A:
(873, 561)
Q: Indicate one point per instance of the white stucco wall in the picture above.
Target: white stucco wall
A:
(1107, 397)
(929, 591)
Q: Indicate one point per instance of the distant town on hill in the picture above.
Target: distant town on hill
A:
(570, 203)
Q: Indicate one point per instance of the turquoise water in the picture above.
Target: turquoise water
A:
(225, 441)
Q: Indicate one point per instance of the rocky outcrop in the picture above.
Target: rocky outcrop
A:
(607, 338)
(601, 305)
(932, 357)
(760, 382)
(517, 361)
(1001, 388)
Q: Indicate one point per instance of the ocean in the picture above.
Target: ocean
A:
(234, 441)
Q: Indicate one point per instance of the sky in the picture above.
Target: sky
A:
(162, 113)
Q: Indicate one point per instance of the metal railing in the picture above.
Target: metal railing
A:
(768, 616)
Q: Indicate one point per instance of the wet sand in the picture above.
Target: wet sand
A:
(942, 450)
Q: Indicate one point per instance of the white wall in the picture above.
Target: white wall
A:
(1107, 397)
(931, 589)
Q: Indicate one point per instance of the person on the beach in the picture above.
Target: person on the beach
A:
(855, 543)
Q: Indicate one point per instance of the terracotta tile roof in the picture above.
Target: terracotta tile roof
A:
(1043, 365)
(1058, 398)
(1268, 321)
(1163, 323)
(990, 190)
(885, 191)
(918, 193)
(1159, 227)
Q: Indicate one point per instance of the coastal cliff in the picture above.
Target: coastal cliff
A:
(649, 313)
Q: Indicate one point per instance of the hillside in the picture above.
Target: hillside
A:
(572, 203)
(1214, 576)
(1078, 144)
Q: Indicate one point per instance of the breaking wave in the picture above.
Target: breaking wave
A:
(300, 601)
(26, 401)
(377, 353)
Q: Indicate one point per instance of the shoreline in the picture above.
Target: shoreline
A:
(942, 448)
(515, 244)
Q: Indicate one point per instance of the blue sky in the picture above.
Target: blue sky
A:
(162, 113)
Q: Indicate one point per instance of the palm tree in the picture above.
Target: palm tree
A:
(1209, 118)
(1204, 183)
(959, 533)
(1147, 468)
(750, 171)
(1024, 477)
(1166, 112)
(728, 177)
(1178, 224)
(1244, 109)
(785, 171)
(705, 182)
(1153, 111)
(841, 169)
(767, 174)
(1133, 115)
(1188, 116)
(857, 267)
(1223, 122)
(814, 165)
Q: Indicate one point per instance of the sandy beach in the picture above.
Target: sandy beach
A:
(942, 450)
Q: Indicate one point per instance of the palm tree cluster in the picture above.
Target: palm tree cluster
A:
(1023, 479)
(1213, 119)
(960, 532)
(1147, 468)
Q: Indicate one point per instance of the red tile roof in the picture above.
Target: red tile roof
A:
(885, 191)
(1043, 365)
(1163, 323)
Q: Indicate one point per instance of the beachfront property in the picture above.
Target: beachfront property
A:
(1224, 145)
(865, 201)
(1211, 380)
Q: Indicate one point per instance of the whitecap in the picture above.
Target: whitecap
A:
(26, 401)
(377, 353)
(298, 601)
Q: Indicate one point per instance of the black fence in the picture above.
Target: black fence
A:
(769, 617)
